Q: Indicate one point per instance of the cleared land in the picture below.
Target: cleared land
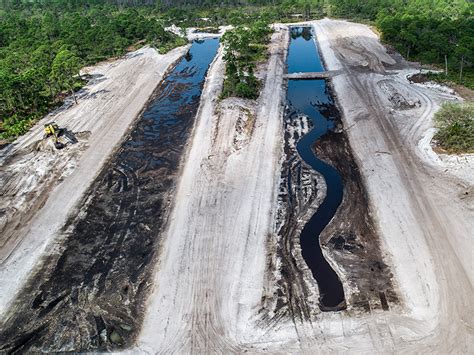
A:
(41, 187)
(209, 284)
(205, 293)
(211, 281)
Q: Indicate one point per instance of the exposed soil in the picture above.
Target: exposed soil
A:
(21, 176)
(41, 188)
(418, 78)
(301, 191)
(222, 226)
(399, 100)
(212, 265)
(351, 239)
(463, 91)
(424, 226)
(89, 292)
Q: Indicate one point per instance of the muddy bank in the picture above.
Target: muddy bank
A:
(89, 293)
(350, 241)
(209, 280)
(324, 229)
(351, 238)
(44, 187)
(301, 192)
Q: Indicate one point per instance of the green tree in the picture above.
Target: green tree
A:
(65, 69)
(42, 59)
(464, 53)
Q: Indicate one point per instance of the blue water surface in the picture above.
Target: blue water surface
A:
(307, 97)
(303, 54)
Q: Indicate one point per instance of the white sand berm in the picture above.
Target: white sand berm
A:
(209, 279)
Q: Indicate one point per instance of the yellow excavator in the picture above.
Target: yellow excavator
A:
(52, 130)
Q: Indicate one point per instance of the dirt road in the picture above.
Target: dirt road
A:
(209, 282)
(223, 211)
(40, 188)
(425, 226)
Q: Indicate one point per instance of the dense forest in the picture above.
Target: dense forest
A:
(41, 53)
(44, 43)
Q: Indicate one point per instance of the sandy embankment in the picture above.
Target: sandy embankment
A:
(209, 277)
(425, 225)
(40, 189)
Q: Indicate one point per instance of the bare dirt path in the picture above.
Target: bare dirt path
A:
(425, 226)
(208, 286)
(40, 188)
(222, 214)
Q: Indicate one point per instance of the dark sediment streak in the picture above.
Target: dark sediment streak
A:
(303, 98)
(89, 293)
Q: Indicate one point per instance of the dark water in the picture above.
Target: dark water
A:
(99, 280)
(303, 55)
(309, 97)
(178, 97)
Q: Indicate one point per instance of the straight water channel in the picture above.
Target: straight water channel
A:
(305, 97)
(89, 297)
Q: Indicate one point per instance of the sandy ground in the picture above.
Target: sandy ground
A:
(223, 211)
(193, 33)
(40, 187)
(425, 223)
(208, 285)
(210, 279)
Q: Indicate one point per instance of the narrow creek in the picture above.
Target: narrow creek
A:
(89, 293)
(308, 97)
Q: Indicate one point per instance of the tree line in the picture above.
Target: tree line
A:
(43, 43)
(429, 31)
(41, 53)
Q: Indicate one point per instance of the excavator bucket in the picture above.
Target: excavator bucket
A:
(52, 130)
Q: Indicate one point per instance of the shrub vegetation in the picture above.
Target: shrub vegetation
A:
(244, 47)
(455, 123)
(39, 35)
(43, 49)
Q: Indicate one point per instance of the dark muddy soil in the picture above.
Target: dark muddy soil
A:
(418, 78)
(300, 196)
(89, 293)
(351, 237)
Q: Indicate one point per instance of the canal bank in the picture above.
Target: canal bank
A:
(89, 293)
(304, 101)
(325, 230)
(209, 279)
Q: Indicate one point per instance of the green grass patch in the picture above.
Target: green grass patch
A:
(455, 123)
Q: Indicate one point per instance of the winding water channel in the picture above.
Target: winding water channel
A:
(306, 97)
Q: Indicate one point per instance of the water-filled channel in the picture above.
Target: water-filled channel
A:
(307, 97)
(98, 281)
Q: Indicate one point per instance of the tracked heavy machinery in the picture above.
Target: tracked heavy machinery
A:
(52, 130)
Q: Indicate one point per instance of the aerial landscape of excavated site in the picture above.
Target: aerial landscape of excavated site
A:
(315, 218)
